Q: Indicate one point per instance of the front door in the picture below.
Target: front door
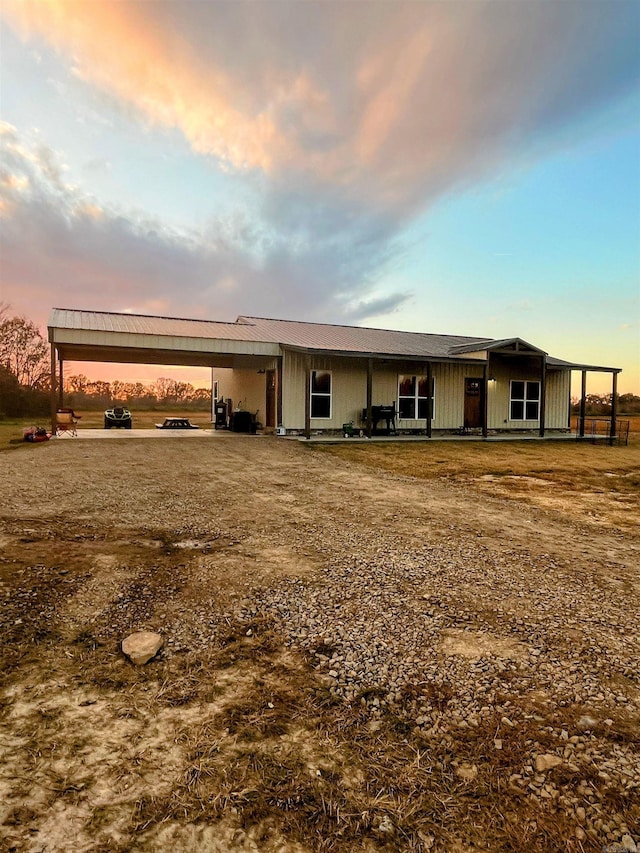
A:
(473, 400)
(270, 407)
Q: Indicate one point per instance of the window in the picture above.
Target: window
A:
(525, 401)
(320, 394)
(413, 398)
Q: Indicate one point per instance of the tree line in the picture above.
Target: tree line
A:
(25, 379)
(600, 404)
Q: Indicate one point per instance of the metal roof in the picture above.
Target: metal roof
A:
(322, 337)
(517, 343)
(142, 324)
(294, 333)
(355, 339)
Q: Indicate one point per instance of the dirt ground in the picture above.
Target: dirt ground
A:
(353, 660)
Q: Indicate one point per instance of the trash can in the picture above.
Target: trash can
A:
(243, 421)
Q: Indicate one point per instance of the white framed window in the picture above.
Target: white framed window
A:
(414, 397)
(321, 394)
(524, 402)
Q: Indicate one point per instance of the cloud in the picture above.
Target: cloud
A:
(346, 119)
(390, 104)
(60, 246)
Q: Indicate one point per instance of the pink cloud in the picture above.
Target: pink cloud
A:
(389, 103)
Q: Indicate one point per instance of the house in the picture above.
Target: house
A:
(315, 377)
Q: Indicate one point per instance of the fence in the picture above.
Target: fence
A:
(599, 429)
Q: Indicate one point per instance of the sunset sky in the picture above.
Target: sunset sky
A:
(462, 167)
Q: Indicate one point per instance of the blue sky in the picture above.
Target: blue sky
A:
(465, 168)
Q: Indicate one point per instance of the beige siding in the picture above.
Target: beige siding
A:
(245, 385)
(557, 399)
(448, 408)
(557, 396)
(165, 342)
(349, 390)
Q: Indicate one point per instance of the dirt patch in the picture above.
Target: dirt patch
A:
(474, 645)
(353, 660)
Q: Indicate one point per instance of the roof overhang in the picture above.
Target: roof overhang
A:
(508, 346)
(381, 356)
(137, 348)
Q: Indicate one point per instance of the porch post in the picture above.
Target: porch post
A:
(60, 384)
(369, 427)
(614, 408)
(307, 398)
(485, 400)
(543, 394)
(583, 403)
(53, 389)
(429, 398)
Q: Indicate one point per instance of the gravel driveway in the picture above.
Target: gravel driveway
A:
(449, 609)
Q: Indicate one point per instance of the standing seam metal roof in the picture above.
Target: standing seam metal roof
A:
(293, 333)
(319, 336)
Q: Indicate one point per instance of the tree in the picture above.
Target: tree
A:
(76, 384)
(23, 351)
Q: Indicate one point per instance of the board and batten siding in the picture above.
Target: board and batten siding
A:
(557, 397)
(448, 407)
(349, 390)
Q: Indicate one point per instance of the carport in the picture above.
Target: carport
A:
(99, 336)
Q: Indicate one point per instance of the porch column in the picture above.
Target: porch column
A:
(429, 398)
(583, 403)
(614, 408)
(543, 394)
(307, 398)
(53, 389)
(485, 400)
(369, 422)
(60, 383)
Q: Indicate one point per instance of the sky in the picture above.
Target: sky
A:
(456, 167)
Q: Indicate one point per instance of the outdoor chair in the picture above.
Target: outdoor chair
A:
(66, 421)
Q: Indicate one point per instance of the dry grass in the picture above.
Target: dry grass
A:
(596, 482)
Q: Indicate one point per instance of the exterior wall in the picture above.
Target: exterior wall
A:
(349, 390)
(557, 395)
(448, 406)
(245, 386)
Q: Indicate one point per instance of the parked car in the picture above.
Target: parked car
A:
(117, 417)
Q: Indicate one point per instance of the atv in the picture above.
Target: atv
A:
(117, 417)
